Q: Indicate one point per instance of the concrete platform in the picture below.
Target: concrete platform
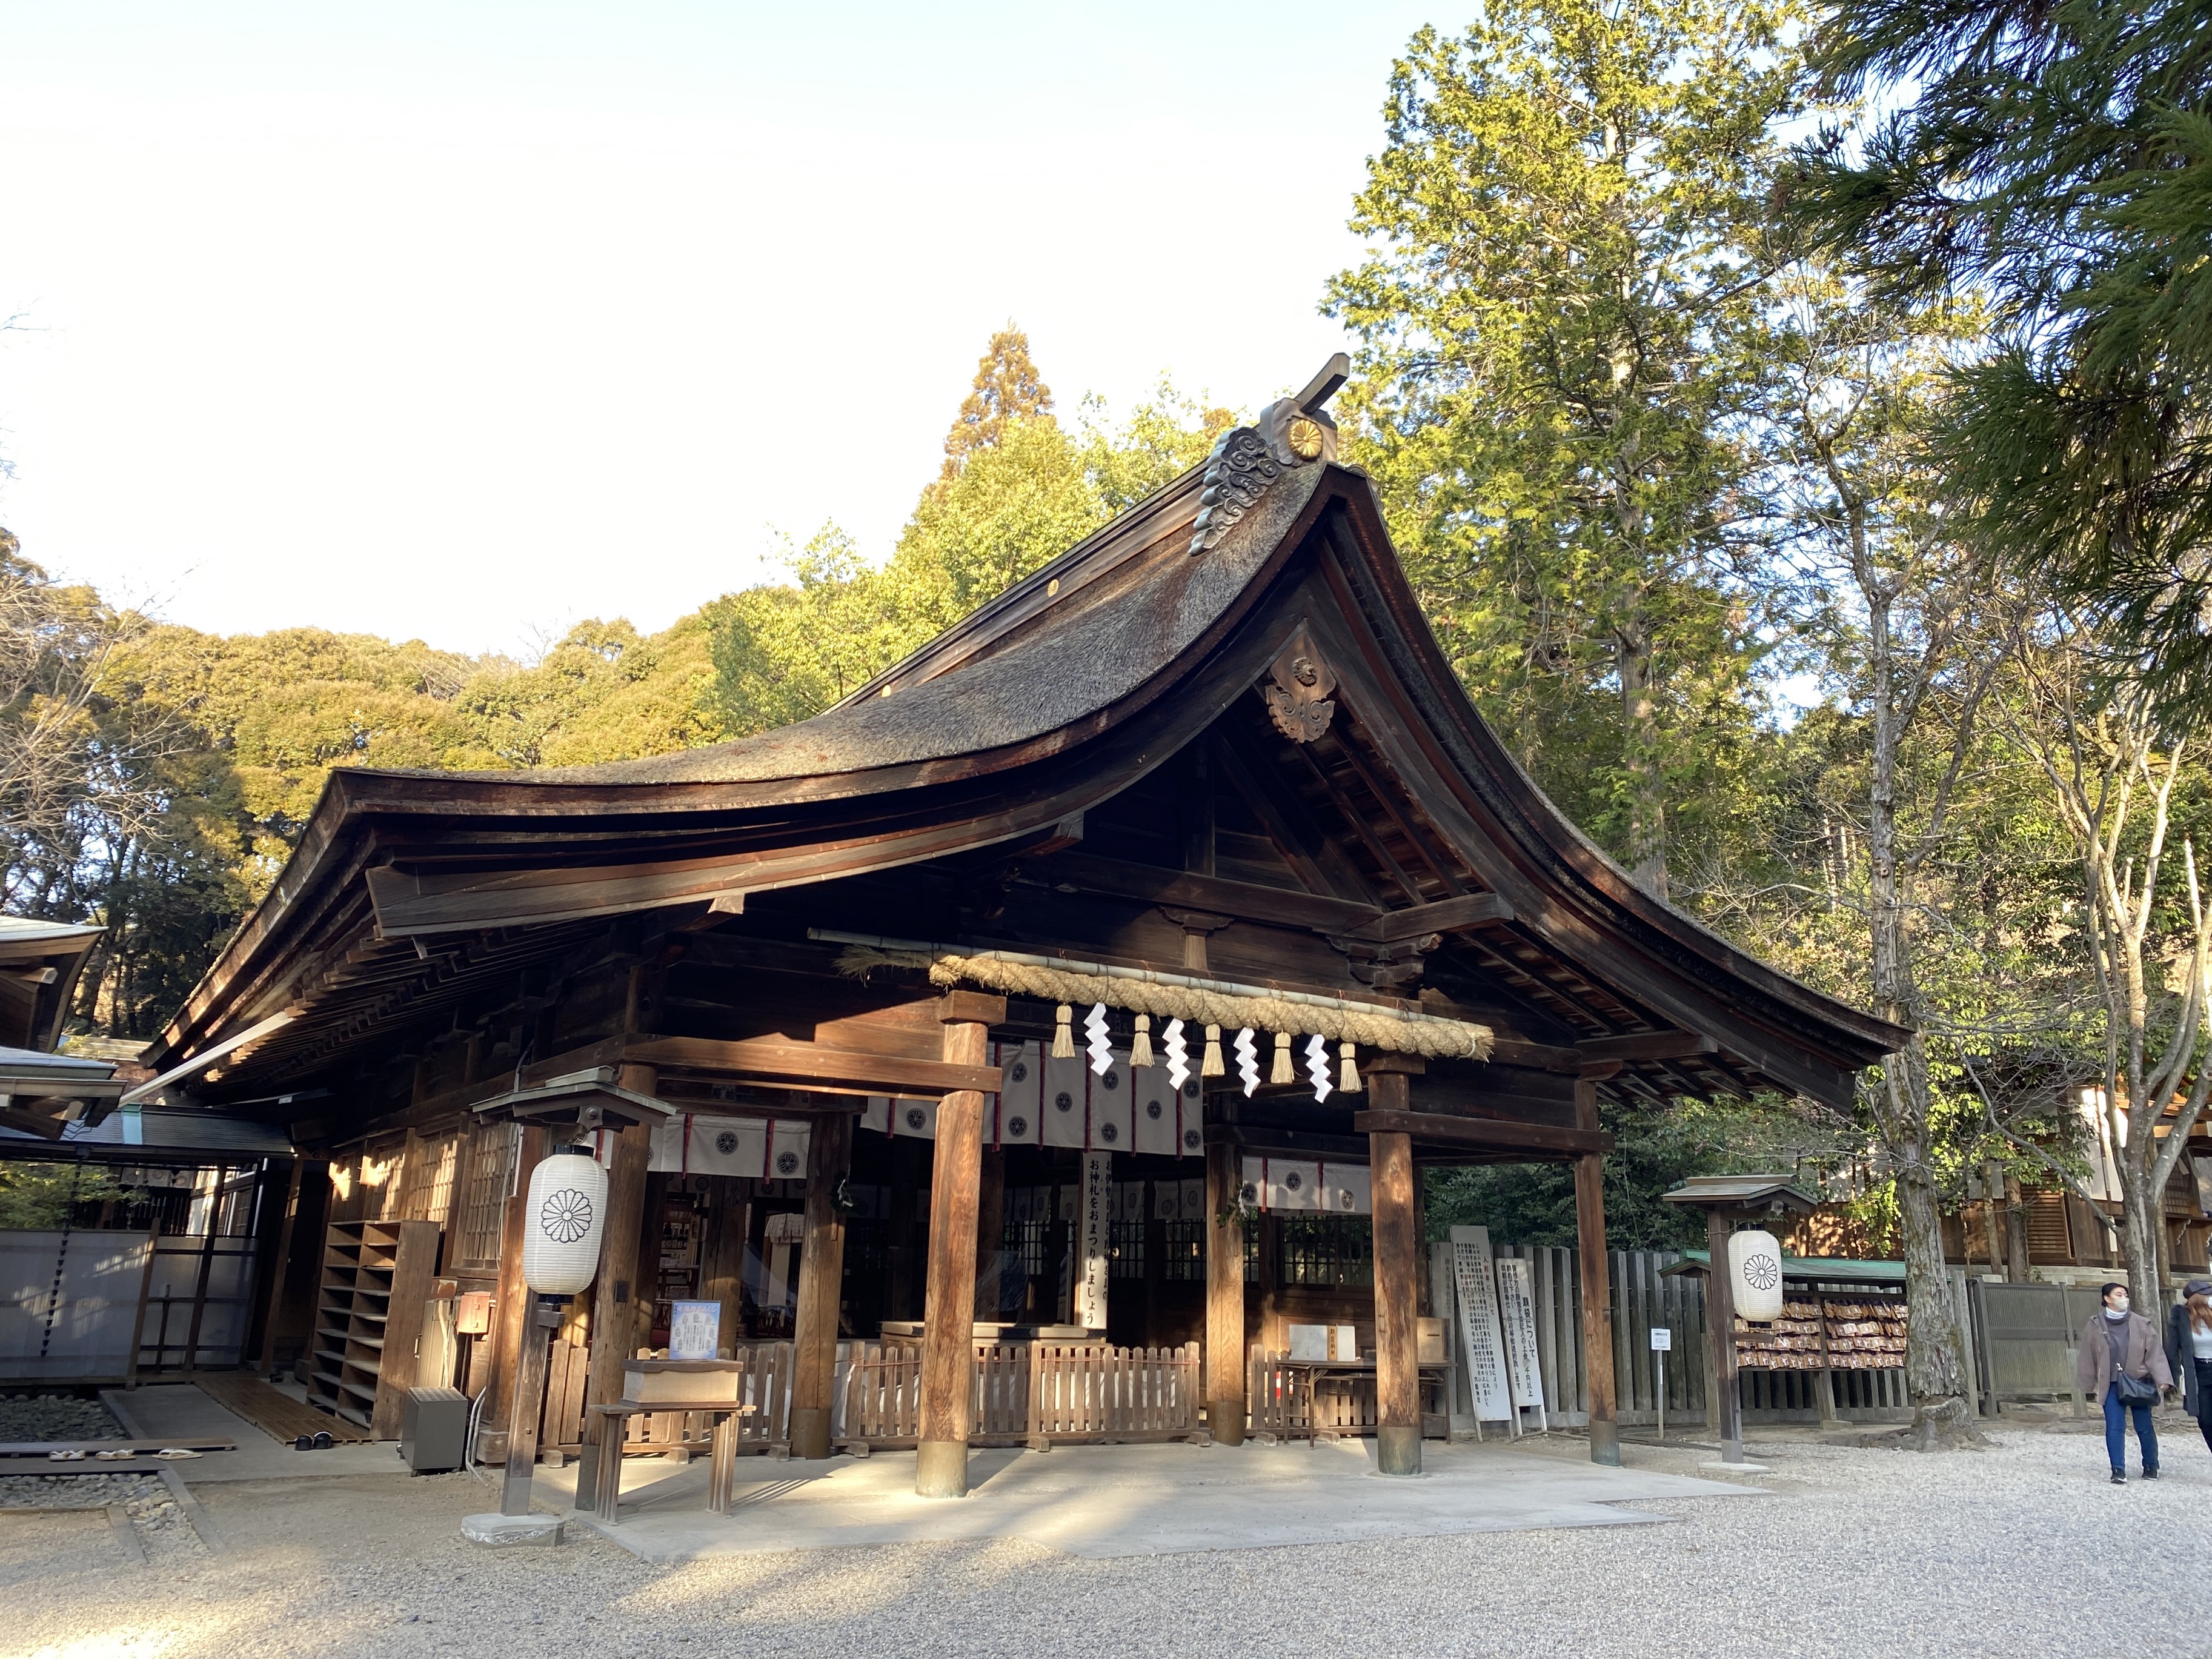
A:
(1104, 1501)
(162, 1410)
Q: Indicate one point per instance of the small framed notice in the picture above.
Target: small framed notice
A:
(1662, 1340)
(694, 1329)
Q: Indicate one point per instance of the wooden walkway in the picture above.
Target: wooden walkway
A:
(270, 1410)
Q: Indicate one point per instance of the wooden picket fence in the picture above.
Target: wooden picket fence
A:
(1287, 1400)
(1026, 1391)
(1093, 1391)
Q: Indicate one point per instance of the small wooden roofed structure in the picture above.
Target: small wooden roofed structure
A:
(40, 965)
(1214, 741)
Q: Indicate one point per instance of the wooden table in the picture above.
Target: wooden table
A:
(722, 1474)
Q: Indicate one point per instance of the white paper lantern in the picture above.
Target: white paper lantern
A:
(1755, 1274)
(564, 1224)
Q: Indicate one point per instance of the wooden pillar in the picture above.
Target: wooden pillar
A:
(511, 1300)
(280, 1266)
(990, 1233)
(1225, 1404)
(1720, 1328)
(615, 1289)
(1596, 1271)
(722, 1257)
(529, 1373)
(821, 1284)
(948, 1310)
(1397, 1278)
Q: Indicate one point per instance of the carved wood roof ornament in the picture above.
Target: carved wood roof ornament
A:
(1297, 693)
(1291, 433)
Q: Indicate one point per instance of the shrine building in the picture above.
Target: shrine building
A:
(1089, 990)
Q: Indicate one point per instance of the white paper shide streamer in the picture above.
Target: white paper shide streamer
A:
(1247, 1060)
(1101, 1043)
(1317, 1067)
(564, 1224)
(1178, 1054)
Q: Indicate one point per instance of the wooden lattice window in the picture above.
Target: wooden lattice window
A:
(478, 1222)
(1327, 1249)
(1183, 1253)
(430, 1179)
(2048, 1239)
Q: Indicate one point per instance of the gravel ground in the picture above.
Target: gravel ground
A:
(2010, 1551)
(55, 1417)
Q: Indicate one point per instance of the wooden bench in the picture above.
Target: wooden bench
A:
(722, 1473)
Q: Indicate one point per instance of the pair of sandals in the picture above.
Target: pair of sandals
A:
(319, 1441)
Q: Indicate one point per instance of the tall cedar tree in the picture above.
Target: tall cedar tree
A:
(1560, 336)
(1008, 390)
(2058, 156)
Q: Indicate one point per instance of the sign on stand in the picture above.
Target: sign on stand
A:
(1094, 1226)
(1516, 1308)
(1663, 1344)
(1479, 1332)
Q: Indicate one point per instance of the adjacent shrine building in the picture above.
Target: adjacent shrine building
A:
(1111, 968)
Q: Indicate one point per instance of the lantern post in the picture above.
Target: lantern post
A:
(564, 1227)
(1749, 1274)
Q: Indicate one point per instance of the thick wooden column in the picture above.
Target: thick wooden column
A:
(1726, 1409)
(615, 1289)
(948, 1385)
(821, 1283)
(1597, 1273)
(1397, 1279)
(1597, 1307)
(722, 1257)
(990, 1233)
(1224, 1298)
(529, 1393)
(511, 1303)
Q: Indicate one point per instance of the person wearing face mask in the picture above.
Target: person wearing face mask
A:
(2122, 1365)
(2189, 1351)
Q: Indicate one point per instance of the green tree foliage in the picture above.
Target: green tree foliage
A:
(1561, 327)
(1019, 490)
(1008, 391)
(40, 1196)
(2059, 158)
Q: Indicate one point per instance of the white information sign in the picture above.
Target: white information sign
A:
(1516, 1309)
(695, 1330)
(1480, 1335)
(1093, 1225)
(1662, 1340)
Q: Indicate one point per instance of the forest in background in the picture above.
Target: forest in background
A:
(1794, 424)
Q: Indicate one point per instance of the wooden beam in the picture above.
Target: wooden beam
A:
(1439, 1128)
(1540, 1056)
(806, 1062)
(14, 1117)
(1250, 901)
(1647, 1045)
(1444, 916)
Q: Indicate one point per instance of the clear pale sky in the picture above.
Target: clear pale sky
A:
(464, 321)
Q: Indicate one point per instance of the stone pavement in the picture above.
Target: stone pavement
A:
(1104, 1501)
(176, 1410)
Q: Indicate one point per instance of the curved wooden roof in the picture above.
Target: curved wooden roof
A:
(1051, 699)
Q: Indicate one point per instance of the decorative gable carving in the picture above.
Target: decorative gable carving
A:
(1297, 692)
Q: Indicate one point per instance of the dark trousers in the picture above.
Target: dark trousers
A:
(2204, 1397)
(2116, 1431)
